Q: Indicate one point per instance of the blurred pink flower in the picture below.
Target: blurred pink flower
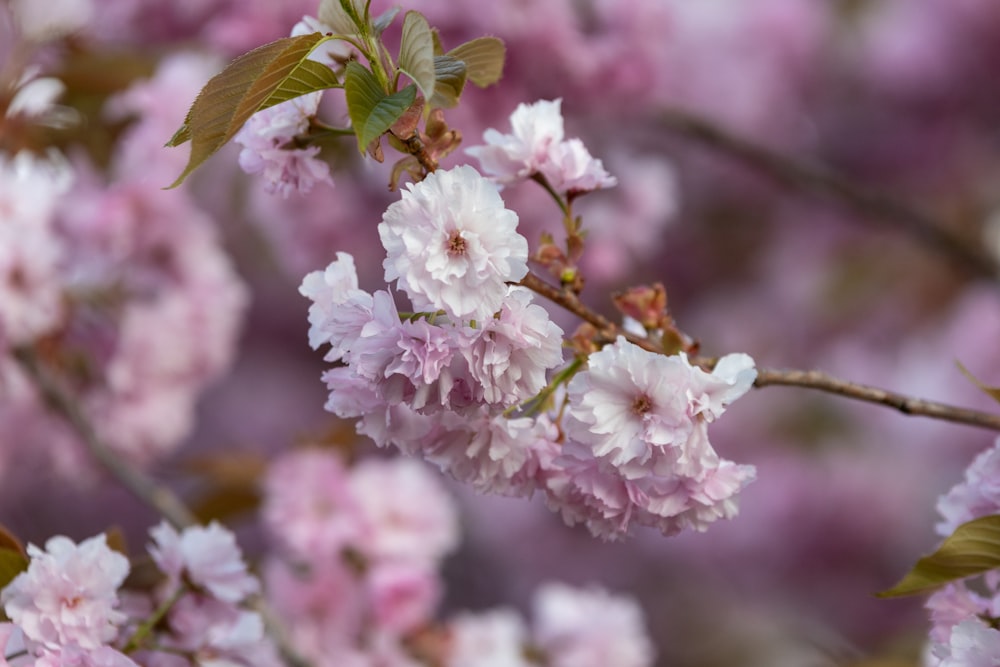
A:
(417, 522)
(207, 556)
(495, 638)
(589, 628)
(404, 595)
(309, 505)
(973, 643)
(976, 496)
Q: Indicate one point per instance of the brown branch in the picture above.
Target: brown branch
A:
(905, 404)
(770, 377)
(417, 149)
(146, 489)
(606, 329)
(822, 181)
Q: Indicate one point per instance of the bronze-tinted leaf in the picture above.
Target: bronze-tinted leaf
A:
(270, 74)
(974, 548)
(483, 58)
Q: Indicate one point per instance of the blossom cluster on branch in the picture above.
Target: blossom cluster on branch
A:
(71, 606)
(120, 304)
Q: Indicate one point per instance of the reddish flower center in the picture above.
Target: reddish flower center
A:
(642, 404)
(456, 244)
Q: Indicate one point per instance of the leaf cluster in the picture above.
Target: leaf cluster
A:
(374, 91)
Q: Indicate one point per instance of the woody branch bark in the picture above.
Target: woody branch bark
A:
(767, 377)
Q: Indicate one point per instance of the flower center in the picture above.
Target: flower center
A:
(642, 404)
(456, 244)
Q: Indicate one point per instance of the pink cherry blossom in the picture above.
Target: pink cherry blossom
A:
(509, 355)
(265, 138)
(69, 594)
(973, 643)
(570, 168)
(339, 309)
(639, 410)
(535, 128)
(494, 638)
(310, 506)
(977, 495)
(403, 595)
(207, 556)
(589, 628)
(31, 284)
(416, 522)
(536, 146)
(453, 245)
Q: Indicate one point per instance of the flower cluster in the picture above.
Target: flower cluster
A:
(69, 607)
(356, 579)
(463, 380)
(438, 381)
(126, 287)
(572, 628)
(356, 570)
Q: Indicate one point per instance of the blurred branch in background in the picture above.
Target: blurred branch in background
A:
(821, 181)
(153, 494)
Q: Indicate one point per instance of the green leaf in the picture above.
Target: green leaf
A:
(416, 52)
(994, 392)
(972, 549)
(372, 111)
(340, 15)
(449, 74)
(12, 563)
(270, 74)
(483, 58)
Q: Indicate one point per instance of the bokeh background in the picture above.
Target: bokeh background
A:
(898, 96)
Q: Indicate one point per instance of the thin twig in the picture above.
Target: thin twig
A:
(822, 181)
(905, 404)
(155, 495)
(606, 329)
(767, 377)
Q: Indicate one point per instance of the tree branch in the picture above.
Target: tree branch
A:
(606, 329)
(824, 182)
(767, 377)
(146, 489)
(905, 404)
